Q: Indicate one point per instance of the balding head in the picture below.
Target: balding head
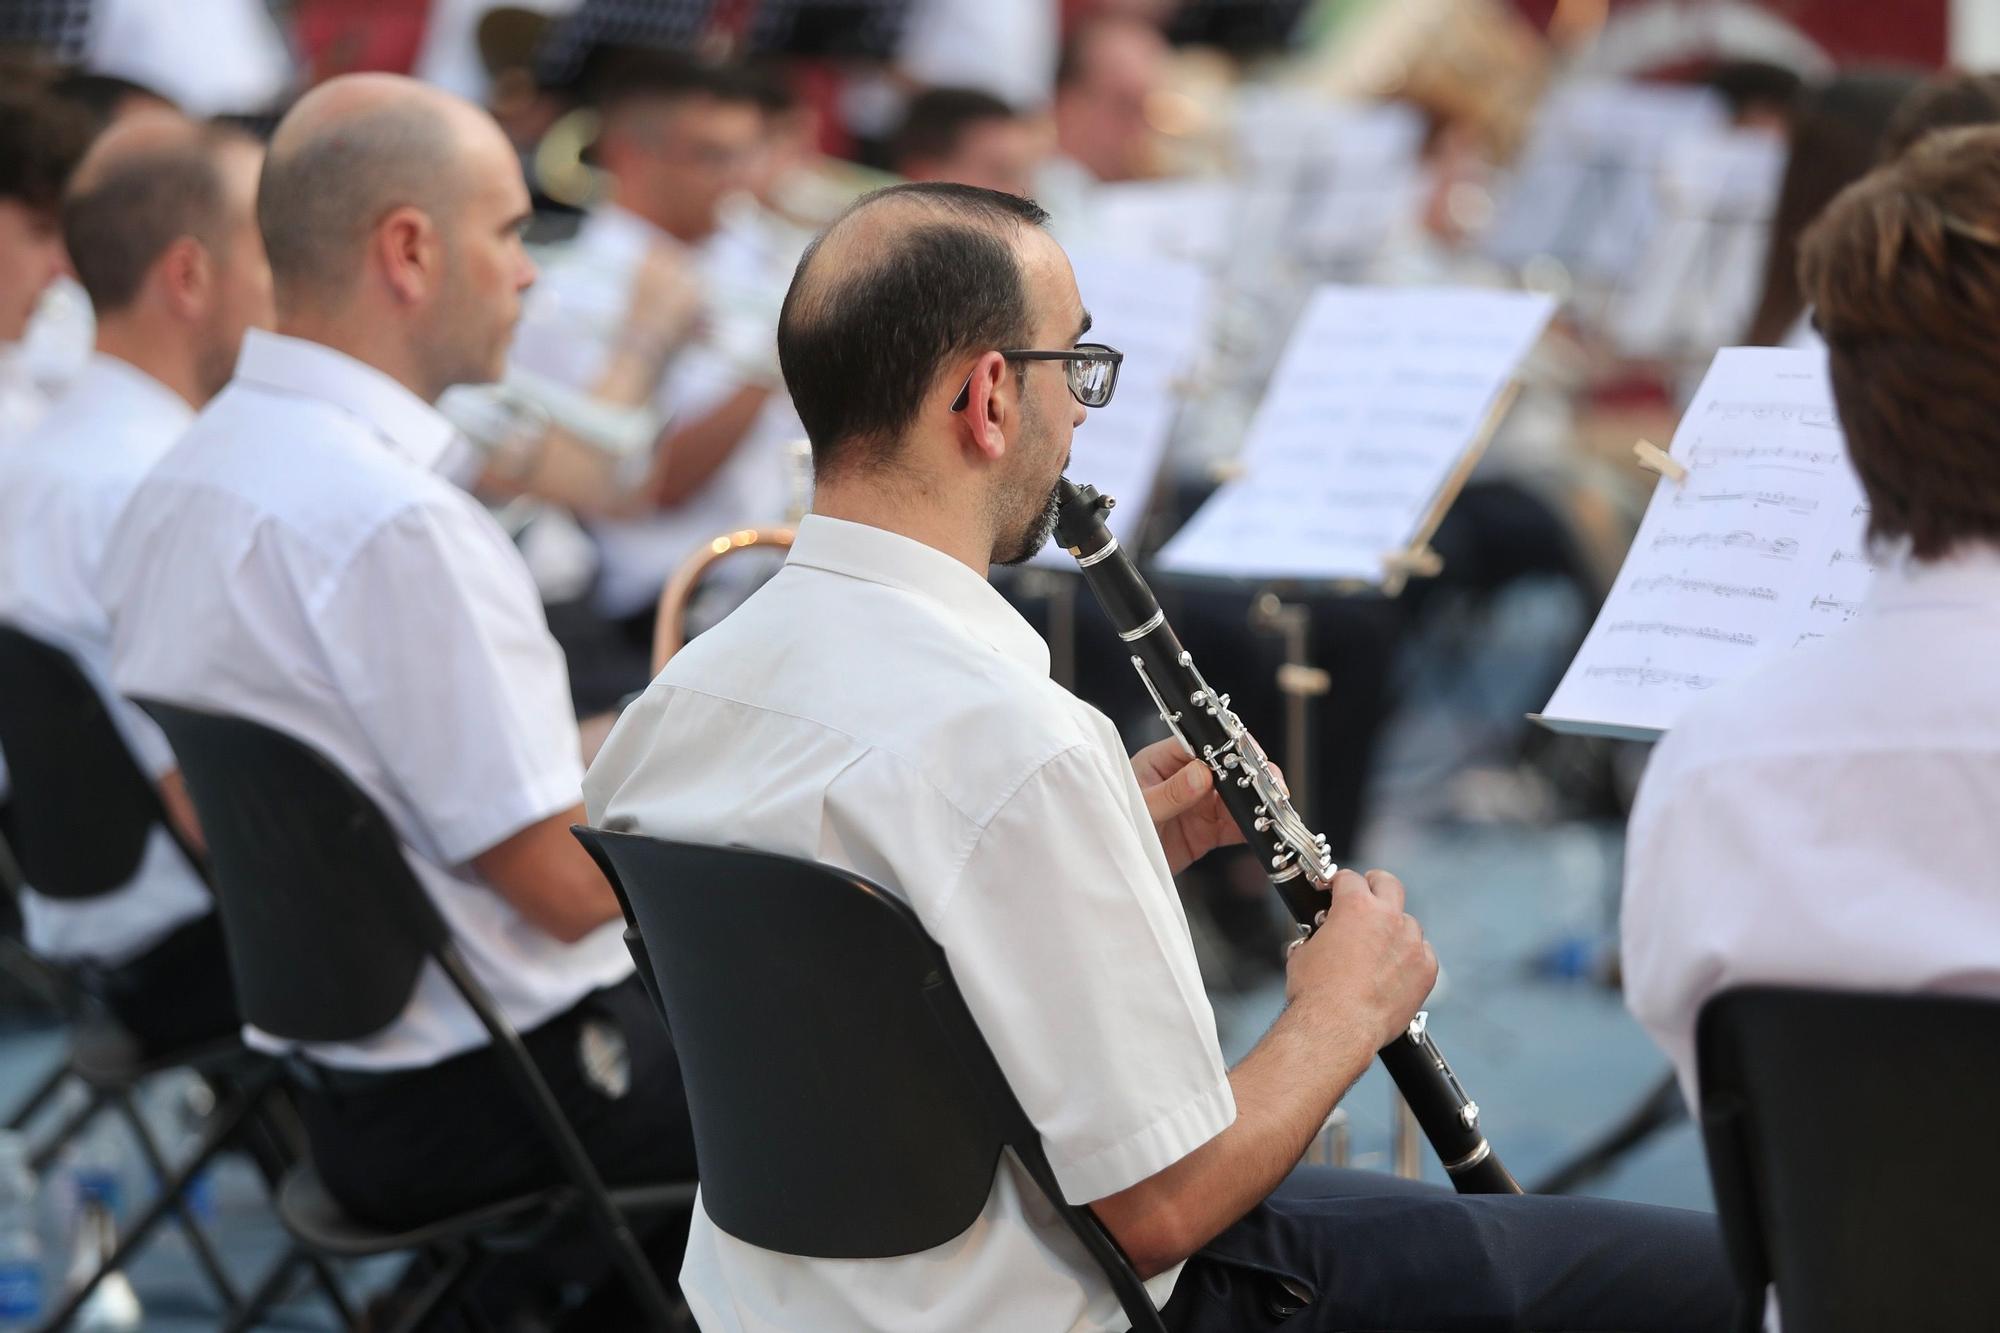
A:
(386, 202)
(158, 223)
(908, 281)
(349, 153)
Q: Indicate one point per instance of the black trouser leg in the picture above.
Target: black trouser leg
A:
(1380, 1254)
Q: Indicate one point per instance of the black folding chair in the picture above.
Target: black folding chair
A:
(1848, 1140)
(845, 1105)
(329, 930)
(77, 826)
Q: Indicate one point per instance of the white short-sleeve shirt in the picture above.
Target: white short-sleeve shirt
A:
(568, 327)
(295, 559)
(62, 491)
(1829, 820)
(881, 708)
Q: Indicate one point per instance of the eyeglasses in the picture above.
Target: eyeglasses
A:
(1091, 368)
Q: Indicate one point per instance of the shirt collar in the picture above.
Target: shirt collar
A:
(876, 555)
(406, 423)
(111, 382)
(615, 229)
(1969, 576)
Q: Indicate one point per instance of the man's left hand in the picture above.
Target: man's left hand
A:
(1181, 798)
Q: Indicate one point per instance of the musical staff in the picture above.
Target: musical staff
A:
(1712, 587)
(1666, 627)
(1650, 677)
(1776, 548)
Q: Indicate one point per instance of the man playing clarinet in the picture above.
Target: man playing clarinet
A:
(879, 707)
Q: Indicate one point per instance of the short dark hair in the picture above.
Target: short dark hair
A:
(1903, 270)
(104, 96)
(860, 348)
(619, 77)
(1942, 103)
(42, 138)
(1747, 85)
(124, 220)
(936, 122)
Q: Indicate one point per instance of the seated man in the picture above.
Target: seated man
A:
(967, 136)
(297, 560)
(890, 713)
(159, 224)
(41, 138)
(1828, 819)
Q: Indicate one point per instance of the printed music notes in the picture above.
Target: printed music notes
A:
(1759, 551)
(1156, 312)
(1380, 393)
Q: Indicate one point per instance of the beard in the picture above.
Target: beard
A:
(1034, 534)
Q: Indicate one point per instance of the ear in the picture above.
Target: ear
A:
(185, 277)
(410, 253)
(989, 406)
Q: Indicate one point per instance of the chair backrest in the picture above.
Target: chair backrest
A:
(1848, 1138)
(844, 1102)
(328, 928)
(82, 807)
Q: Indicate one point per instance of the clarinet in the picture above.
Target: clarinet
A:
(1297, 859)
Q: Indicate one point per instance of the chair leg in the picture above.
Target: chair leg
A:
(72, 1125)
(267, 1292)
(174, 1188)
(212, 1143)
(40, 1097)
(441, 1291)
(329, 1287)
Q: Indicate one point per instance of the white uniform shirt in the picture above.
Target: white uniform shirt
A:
(573, 314)
(61, 493)
(1829, 820)
(884, 710)
(296, 560)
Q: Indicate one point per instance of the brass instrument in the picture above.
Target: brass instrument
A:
(670, 629)
(670, 626)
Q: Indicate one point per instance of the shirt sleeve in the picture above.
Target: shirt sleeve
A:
(1065, 935)
(437, 642)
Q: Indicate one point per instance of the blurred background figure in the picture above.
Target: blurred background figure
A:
(160, 225)
(969, 137)
(1109, 72)
(41, 138)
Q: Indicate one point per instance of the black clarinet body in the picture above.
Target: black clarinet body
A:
(1296, 858)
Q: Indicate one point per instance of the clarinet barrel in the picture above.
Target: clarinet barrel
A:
(1295, 858)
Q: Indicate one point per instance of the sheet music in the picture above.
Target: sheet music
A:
(1697, 285)
(1758, 551)
(1377, 397)
(1187, 219)
(1586, 190)
(1156, 311)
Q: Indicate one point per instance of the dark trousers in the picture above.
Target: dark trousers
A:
(1352, 1250)
(425, 1144)
(177, 995)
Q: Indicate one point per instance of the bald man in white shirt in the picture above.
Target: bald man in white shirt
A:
(160, 227)
(1828, 820)
(882, 708)
(297, 560)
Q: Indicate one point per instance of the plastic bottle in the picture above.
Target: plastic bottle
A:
(23, 1286)
(97, 1168)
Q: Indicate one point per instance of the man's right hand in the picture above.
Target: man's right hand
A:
(1369, 964)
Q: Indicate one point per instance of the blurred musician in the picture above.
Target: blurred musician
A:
(160, 226)
(1109, 70)
(966, 136)
(677, 141)
(41, 139)
(1828, 820)
(296, 559)
(903, 716)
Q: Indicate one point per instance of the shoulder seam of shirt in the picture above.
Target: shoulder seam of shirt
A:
(950, 893)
